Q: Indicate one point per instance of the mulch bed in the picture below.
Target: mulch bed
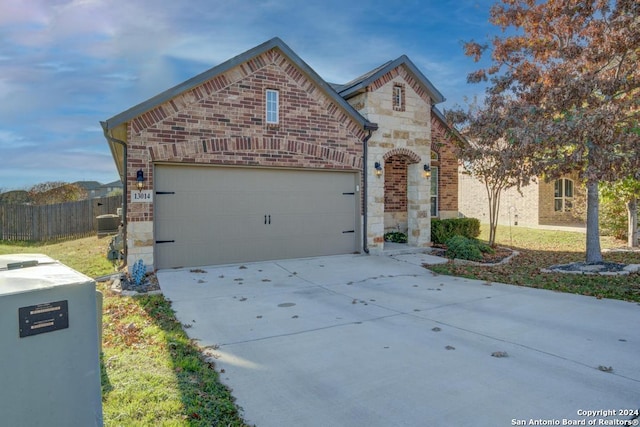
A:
(583, 266)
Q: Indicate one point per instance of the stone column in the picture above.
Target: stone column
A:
(418, 206)
(375, 206)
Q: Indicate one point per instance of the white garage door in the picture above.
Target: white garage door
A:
(221, 215)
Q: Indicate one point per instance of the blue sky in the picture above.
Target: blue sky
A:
(65, 65)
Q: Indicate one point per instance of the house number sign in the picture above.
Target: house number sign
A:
(144, 196)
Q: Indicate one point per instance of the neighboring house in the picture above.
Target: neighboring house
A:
(259, 158)
(95, 189)
(548, 203)
(106, 189)
(91, 187)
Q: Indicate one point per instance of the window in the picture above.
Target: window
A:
(398, 97)
(272, 106)
(563, 195)
(434, 191)
(434, 183)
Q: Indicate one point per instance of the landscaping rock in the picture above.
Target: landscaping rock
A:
(602, 268)
(125, 287)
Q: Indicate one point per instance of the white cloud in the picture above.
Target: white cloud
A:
(22, 11)
(13, 140)
(67, 64)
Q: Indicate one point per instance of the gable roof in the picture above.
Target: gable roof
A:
(360, 84)
(112, 184)
(193, 82)
(88, 185)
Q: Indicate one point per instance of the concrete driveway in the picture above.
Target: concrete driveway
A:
(380, 341)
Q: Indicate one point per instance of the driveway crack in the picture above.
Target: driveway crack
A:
(305, 331)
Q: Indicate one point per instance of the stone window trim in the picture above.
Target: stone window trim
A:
(398, 97)
(563, 191)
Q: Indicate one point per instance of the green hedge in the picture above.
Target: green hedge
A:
(466, 248)
(444, 229)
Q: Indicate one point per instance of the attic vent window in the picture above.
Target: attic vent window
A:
(272, 106)
(398, 97)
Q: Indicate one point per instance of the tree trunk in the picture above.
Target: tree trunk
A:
(632, 216)
(594, 254)
(494, 208)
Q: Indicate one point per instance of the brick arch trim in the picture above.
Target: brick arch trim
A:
(413, 157)
(248, 151)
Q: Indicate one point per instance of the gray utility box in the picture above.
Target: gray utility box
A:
(108, 224)
(49, 362)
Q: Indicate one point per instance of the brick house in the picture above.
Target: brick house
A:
(259, 158)
(548, 203)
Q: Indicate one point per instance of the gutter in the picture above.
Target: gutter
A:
(125, 193)
(370, 128)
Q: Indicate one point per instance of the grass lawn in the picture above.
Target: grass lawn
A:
(152, 374)
(544, 248)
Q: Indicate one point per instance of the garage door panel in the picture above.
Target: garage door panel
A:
(217, 215)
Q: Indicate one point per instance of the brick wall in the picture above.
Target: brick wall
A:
(447, 164)
(474, 203)
(548, 215)
(395, 184)
(442, 144)
(223, 122)
(531, 208)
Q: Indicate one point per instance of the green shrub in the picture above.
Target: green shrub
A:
(484, 247)
(613, 218)
(395, 236)
(444, 229)
(465, 248)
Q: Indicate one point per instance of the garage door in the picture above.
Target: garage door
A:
(222, 215)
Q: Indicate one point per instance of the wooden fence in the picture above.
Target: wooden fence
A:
(51, 222)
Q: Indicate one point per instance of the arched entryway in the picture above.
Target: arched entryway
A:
(395, 193)
(401, 194)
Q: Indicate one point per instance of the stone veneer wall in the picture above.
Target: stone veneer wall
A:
(405, 132)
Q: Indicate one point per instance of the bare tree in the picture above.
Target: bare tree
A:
(56, 192)
(490, 153)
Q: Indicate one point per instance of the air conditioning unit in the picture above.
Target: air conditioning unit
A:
(49, 361)
(108, 224)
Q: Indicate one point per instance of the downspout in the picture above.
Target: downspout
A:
(124, 188)
(365, 245)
